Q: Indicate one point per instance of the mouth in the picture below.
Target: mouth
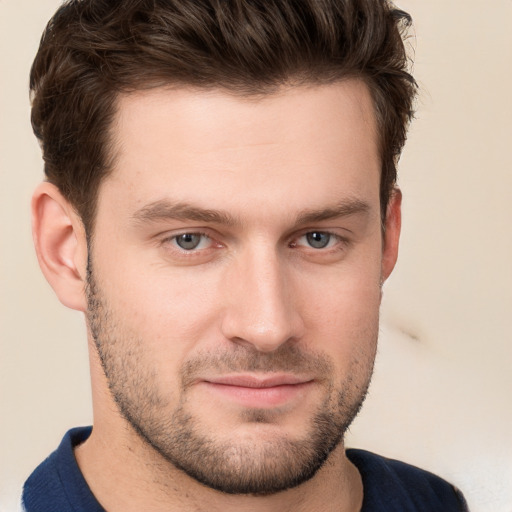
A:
(259, 391)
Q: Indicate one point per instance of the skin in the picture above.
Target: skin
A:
(254, 291)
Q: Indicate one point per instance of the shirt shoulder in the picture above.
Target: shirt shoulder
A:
(57, 483)
(394, 486)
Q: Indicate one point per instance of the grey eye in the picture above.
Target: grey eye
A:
(188, 241)
(318, 240)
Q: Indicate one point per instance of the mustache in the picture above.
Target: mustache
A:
(243, 359)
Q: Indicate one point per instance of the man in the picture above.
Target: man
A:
(221, 204)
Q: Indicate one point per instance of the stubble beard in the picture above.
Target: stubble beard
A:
(234, 466)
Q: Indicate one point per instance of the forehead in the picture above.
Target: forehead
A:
(194, 116)
(214, 146)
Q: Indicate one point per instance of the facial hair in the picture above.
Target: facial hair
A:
(236, 466)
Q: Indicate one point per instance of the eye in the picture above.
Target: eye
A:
(318, 239)
(321, 246)
(191, 241)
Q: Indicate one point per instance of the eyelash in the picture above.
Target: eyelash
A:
(335, 238)
(173, 238)
(340, 243)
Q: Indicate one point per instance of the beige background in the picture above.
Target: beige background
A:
(441, 396)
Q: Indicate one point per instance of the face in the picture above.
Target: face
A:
(234, 277)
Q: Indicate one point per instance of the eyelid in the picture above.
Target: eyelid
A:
(340, 243)
(339, 238)
(171, 237)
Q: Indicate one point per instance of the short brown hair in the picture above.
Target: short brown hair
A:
(93, 50)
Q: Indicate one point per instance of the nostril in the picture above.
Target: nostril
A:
(264, 335)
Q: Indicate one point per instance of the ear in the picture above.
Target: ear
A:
(61, 245)
(392, 228)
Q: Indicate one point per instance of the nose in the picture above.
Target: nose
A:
(261, 308)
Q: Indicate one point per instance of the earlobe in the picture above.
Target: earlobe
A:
(391, 233)
(60, 244)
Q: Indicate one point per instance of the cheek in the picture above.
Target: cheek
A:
(171, 313)
(343, 316)
(349, 296)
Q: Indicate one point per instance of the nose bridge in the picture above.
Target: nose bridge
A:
(261, 311)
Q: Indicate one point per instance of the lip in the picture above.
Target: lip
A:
(259, 391)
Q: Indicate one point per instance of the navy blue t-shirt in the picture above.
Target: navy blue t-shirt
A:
(57, 485)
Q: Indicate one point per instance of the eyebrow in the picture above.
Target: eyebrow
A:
(166, 210)
(343, 209)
